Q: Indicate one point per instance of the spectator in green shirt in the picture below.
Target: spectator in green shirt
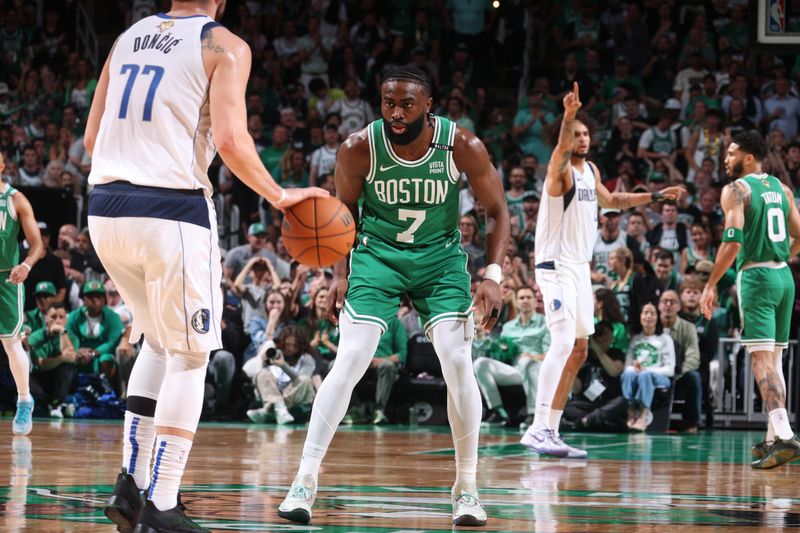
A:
(271, 155)
(45, 294)
(390, 354)
(528, 331)
(98, 329)
(323, 335)
(53, 353)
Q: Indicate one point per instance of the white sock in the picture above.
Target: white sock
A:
(357, 344)
(137, 447)
(20, 365)
(770, 432)
(562, 335)
(452, 341)
(555, 419)
(310, 461)
(778, 361)
(780, 421)
(170, 461)
(280, 407)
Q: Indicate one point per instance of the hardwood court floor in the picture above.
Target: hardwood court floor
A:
(395, 480)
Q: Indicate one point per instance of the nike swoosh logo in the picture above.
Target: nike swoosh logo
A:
(384, 169)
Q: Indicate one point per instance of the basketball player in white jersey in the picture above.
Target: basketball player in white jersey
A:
(171, 93)
(566, 230)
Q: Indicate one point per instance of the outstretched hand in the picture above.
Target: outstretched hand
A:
(673, 193)
(295, 196)
(572, 101)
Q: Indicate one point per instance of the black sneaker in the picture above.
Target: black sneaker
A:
(781, 452)
(759, 449)
(494, 419)
(174, 520)
(125, 503)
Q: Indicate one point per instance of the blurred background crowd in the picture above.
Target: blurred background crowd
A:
(668, 83)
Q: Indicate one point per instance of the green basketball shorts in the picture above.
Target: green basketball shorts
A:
(12, 302)
(766, 301)
(434, 277)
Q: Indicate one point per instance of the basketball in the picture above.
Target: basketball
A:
(318, 232)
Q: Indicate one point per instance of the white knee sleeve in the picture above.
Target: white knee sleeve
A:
(148, 372)
(357, 345)
(452, 341)
(180, 400)
(562, 340)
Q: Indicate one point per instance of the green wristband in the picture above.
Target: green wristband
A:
(733, 235)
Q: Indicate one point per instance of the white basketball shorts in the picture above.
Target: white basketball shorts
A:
(160, 248)
(567, 292)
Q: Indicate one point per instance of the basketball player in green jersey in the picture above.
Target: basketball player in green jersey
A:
(406, 168)
(15, 213)
(760, 218)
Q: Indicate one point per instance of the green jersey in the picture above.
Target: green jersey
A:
(411, 203)
(9, 230)
(765, 223)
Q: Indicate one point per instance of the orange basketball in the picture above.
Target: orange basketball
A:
(318, 232)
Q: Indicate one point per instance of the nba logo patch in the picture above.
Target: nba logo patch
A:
(555, 305)
(201, 321)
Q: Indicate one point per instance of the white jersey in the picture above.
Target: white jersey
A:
(355, 115)
(156, 128)
(567, 225)
(603, 249)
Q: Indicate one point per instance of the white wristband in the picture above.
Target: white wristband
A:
(282, 197)
(494, 273)
(26, 265)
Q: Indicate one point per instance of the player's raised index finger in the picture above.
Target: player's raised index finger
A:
(575, 90)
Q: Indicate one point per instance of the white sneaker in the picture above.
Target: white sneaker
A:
(282, 415)
(259, 416)
(55, 412)
(544, 442)
(572, 452)
(296, 507)
(468, 510)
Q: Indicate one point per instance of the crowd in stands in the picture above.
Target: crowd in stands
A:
(667, 84)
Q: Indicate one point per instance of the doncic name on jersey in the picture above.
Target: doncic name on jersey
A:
(413, 190)
(157, 41)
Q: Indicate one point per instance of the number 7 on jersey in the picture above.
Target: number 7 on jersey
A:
(133, 71)
(417, 216)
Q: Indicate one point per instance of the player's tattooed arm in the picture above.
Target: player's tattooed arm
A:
(734, 197)
(627, 200)
(209, 44)
(740, 194)
(563, 149)
(559, 177)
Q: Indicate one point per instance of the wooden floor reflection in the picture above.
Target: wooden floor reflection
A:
(392, 480)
